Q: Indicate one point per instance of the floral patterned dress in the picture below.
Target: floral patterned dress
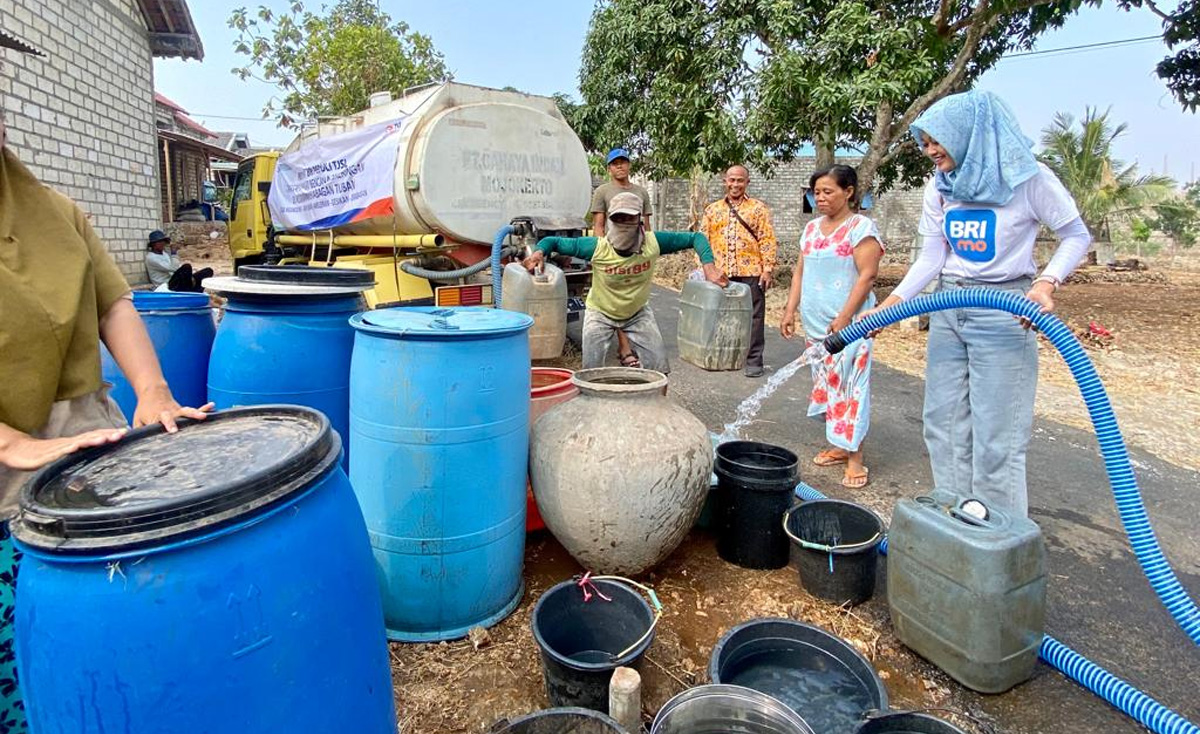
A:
(842, 383)
(12, 708)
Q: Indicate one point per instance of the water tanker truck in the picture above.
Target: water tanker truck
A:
(416, 190)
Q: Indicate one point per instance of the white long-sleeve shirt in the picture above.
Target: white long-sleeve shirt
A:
(992, 243)
(160, 266)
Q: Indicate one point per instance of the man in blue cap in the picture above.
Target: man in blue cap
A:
(618, 172)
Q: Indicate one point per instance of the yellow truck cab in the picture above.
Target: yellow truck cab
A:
(249, 218)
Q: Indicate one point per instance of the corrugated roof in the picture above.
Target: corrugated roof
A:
(171, 30)
(181, 118)
(211, 150)
(8, 40)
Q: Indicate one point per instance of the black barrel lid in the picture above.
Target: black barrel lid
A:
(153, 486)
(307, 275)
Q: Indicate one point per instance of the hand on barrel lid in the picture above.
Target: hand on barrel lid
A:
(23, 452)
(157, 405)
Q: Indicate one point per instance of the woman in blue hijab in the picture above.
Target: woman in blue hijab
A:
(981, 214)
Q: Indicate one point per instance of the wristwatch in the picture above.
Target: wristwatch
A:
(1048, 279)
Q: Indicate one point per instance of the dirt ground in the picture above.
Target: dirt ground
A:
(453, 687)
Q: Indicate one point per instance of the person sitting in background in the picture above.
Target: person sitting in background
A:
(622, 275)
(165, 270)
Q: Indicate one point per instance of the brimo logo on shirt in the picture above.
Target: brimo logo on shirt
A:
(972, 234)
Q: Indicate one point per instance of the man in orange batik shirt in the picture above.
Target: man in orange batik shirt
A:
(743, 243)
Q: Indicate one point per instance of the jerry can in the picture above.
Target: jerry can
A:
(966, 587)
(544, 297)
(714, 325)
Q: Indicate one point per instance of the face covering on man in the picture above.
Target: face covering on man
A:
(624, 230)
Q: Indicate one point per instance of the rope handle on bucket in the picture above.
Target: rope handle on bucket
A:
(826, 548)
(589, 589)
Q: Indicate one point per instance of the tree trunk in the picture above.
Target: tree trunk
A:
(697, 197)
(824, 154)
(867, 169)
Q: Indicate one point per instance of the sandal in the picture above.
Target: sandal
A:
(856, 481)
(630, 360)
(830, 457)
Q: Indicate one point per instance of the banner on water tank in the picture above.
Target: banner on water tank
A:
(336, 180)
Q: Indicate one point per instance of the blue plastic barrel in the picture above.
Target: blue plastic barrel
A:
(286, 338)
(181, 327)
(216, 580)
(439, 425)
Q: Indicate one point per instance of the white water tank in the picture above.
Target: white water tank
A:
(471, 159)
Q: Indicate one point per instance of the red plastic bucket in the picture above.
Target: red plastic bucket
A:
(549, 386)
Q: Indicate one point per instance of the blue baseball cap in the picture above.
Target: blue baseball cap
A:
(616, 153)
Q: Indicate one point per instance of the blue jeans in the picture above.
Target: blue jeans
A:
(980, 382)
(600, 331)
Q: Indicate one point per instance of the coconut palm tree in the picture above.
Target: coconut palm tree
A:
(1105, 189)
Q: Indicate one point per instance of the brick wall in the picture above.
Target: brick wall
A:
(82, 117)
(896, 212)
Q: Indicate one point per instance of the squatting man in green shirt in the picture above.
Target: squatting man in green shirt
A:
(622, 275)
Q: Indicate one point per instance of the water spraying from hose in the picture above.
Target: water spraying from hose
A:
(749, 407)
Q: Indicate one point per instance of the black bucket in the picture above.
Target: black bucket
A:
(819, 675)
(581, 641)
(559, 721)
(907, 722)
(755, 482)
(838, 549)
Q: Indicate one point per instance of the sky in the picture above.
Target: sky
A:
(535, 45)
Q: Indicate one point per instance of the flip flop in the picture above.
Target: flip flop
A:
(857, 481)
(630, 360)
(829, 458)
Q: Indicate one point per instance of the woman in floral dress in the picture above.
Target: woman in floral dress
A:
(839, 258)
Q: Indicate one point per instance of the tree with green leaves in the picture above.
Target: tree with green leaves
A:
(1181, 32)
(1179, 216)
(329, 63)
(694, 85)
(1105, 189)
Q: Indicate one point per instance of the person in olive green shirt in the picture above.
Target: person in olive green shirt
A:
(622, 275)
(60, 295)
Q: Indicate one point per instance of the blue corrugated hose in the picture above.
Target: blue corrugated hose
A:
(497, 271)
(1130, 506)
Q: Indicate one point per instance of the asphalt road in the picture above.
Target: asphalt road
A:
(1099, 602)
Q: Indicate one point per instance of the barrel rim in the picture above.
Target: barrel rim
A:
(565, 374)
(371, 322)
(153, 301)
(90, 531)
(321, 277)
(647, 381)
(230, 285)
